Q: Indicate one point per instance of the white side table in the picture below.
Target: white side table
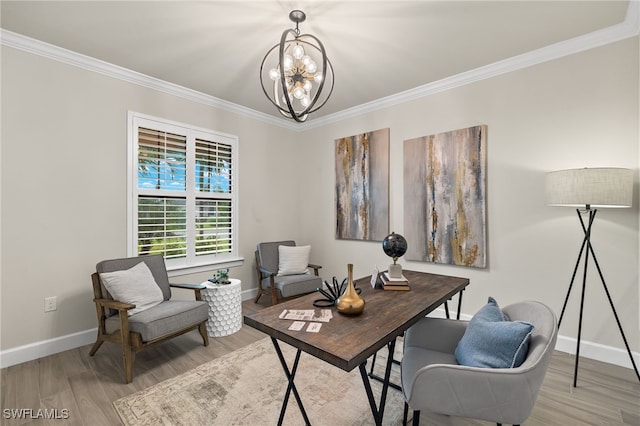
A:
(225, 307)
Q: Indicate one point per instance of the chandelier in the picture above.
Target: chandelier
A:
(294, 73)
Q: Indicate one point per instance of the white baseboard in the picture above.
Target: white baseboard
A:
(47, 347)
(599, 352)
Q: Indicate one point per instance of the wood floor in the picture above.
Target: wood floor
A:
(71, 384)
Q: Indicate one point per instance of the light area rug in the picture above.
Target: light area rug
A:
(247, 387)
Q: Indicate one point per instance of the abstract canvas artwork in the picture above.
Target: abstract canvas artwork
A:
(445, 197)
(362, 186)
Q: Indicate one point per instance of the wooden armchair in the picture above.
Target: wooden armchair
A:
(160, 322)
(282, 287)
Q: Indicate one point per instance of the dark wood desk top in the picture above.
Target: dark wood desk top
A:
(348, 341)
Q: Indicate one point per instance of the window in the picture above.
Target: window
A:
(183, 194)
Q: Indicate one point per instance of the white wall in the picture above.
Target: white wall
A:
(579, 111)
(61, 214)
(64, 146)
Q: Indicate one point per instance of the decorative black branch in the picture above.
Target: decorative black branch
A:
(334, 292)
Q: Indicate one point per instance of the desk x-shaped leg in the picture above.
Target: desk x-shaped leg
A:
(376, 410)
(291, 387)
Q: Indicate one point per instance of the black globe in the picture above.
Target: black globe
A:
(394, 245)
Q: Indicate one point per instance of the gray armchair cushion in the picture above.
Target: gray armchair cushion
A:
(167, 317)
(433, 381)
(293, 285)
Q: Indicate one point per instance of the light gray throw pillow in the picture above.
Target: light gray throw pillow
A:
(135, 285)
(293, 260)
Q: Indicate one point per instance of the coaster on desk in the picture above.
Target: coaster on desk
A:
(297, 325)
(314, 327)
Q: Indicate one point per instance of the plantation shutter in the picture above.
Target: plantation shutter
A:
(162, 181)
(214, 225)
(162, 160)
(162, 226)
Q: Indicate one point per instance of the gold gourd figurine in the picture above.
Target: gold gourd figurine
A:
(350, 303)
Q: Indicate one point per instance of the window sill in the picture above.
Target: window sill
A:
(177, 271)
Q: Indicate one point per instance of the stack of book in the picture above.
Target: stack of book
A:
(389, 283)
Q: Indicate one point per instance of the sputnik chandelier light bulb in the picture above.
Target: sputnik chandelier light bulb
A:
(295, 74)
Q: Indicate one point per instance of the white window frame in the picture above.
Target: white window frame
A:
(191, 263)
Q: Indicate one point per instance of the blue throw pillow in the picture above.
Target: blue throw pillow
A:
(490, 312)
(491, 340)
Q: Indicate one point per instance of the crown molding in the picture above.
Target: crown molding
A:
(630, 27)
(50, 51)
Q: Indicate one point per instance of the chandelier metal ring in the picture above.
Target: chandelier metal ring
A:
(298, 79)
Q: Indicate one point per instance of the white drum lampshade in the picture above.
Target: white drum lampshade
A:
(590, 187)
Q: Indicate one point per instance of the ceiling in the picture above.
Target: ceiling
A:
(377, 48)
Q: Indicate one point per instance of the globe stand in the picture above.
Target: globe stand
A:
(395, 269)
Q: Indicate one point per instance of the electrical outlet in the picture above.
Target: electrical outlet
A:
(50, 304)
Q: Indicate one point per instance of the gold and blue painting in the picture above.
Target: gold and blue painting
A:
(445, 197)
(362, 186)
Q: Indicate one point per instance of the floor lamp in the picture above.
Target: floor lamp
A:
(587, 190)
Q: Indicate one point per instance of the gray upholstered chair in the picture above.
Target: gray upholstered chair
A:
(432, 380)
(282, 287)
(162, 321)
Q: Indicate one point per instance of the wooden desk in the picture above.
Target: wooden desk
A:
(347, 342)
